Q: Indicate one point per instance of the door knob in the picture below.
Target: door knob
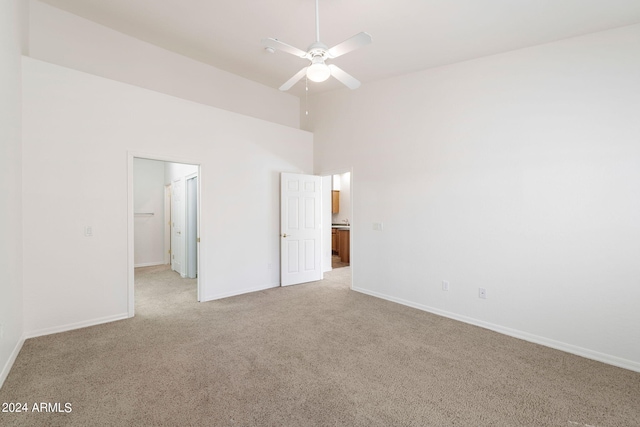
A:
(284, 235)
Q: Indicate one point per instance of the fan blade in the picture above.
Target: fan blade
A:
(359, 40)
(293, 80)
(277, 44)
(344, 78)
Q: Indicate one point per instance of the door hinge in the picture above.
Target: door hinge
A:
(198, 240)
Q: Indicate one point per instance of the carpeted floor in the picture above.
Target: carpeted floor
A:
(317, 354)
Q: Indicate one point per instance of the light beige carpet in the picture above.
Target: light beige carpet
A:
(309, 355)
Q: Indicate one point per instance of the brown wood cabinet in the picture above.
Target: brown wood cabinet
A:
(334, 241)
(340, 244)
(343, 245)
(335, 201)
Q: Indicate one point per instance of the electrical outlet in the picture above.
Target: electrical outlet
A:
(445, 285)
(482, 293)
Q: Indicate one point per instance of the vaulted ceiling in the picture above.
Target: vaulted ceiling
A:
(408, 35)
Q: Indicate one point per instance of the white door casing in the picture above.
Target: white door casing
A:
(169, 210)
(300, 228)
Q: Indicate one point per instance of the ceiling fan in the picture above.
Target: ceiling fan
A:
(318, 53)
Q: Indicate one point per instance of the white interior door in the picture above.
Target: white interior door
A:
(167, 224)
(300, 228)
(191, 225)
(177, 221)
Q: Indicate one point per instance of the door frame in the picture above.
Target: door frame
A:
(352, 220)
(130, 222)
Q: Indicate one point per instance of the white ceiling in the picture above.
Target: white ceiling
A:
(408, 35)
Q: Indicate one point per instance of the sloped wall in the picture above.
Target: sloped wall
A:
(65, 39)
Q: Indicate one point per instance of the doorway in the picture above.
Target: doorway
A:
(164, 220)
(306, 244)
(341, 220)
(337, 219)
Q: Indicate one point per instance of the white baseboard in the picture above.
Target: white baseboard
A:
(234, 293)
(547, 342)
(149, 264)
(78, 325)
(12, 358)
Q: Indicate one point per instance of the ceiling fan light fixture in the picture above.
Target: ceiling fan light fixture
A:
(318, 52)
(318, 71)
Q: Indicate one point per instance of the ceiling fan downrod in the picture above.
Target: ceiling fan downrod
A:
(317, 23)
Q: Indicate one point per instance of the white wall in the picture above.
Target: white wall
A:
(148, 198)
(11, 287)
(65, 39)
(519, 173)
(78, 133)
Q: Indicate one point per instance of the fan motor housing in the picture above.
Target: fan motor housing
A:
(317, 49)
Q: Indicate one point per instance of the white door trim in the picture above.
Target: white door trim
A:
(130, 221)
